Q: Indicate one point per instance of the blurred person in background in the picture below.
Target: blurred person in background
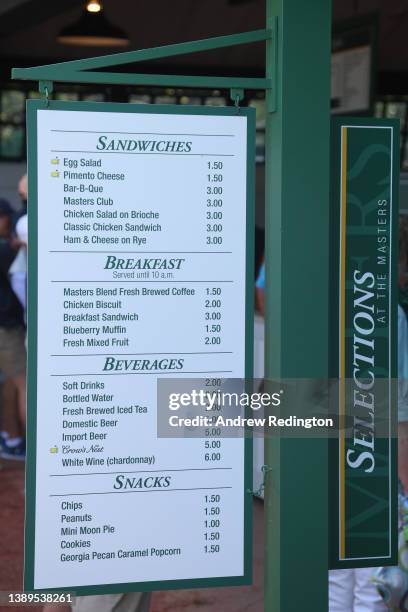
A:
(18, 269)
(260, 290)
(12, 349)
(403, 360)
(392, 582)
(23, 193)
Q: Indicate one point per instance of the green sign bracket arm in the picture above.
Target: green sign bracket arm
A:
(142, 55)
(84, 71)
(161, 80)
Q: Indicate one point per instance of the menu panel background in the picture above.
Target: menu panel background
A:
(167, 328)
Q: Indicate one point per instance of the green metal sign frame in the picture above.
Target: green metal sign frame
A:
(33, 106)
(297, 86)
(80, 71)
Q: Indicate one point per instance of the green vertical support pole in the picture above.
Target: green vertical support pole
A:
(296, 326)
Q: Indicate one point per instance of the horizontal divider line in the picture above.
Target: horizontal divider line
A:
(147, 491)
(144, 471)
(143, 281)
(150, 252)
(144, 153)
(141, 133)
(143, 373)
(135, 354)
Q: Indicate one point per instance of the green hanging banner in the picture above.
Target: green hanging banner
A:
(363, 343)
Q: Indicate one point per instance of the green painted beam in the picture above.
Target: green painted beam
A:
(129, 57)
(297, 277)
(129, 78)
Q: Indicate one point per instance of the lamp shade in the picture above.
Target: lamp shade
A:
(93, 29)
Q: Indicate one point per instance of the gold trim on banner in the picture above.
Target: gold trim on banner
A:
(342, 361)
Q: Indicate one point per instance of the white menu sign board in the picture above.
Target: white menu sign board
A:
(139, 262)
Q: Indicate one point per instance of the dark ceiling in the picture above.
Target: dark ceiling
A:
(28, 29)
